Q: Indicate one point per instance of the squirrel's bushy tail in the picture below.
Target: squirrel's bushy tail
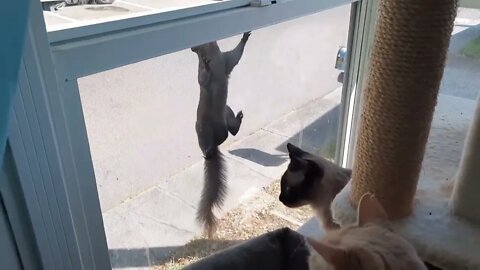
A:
(214, 191)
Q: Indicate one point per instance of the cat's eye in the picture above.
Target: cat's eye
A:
(287, 189)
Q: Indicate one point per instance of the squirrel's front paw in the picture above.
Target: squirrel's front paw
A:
(246, 35)
(239, 115)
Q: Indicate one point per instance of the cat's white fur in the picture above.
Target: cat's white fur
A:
(317, 262)
(369, 244)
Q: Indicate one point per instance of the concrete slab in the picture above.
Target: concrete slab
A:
(136, 240)
(136, 169)
(169, 4)
(265, 151)
(258, 153)
(314, 127)
(128, 111)
(460, 76)
(51, 19)
(252, 163)
(92, 12)
(299, 118)
(144, 230)
(158, 205)
(242, 182)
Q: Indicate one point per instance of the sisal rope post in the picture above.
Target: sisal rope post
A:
(407, 62)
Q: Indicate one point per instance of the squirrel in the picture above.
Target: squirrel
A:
(214, 120)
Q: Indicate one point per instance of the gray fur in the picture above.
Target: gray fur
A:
(215, 119)
(214, 191)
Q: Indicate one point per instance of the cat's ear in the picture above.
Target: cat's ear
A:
(332, 255)
(298, 164)
(370, 210)
(294, 151)
(295, 154)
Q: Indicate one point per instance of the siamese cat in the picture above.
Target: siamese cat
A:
(367, 245)
(215, 119)
(313, 180)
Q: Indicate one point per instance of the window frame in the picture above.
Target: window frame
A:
(101, 51)
(100, 26)
(356, 72)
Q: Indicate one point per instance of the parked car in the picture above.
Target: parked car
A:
(340, 62)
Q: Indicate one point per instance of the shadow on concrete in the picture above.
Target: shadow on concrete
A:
(263, 158)
(157, 256)
(461, 39)
(460, 78)
(319, 137)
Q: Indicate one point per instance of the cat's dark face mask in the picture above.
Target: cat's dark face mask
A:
(297, 183)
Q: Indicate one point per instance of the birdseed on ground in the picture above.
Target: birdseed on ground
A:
(263, 213)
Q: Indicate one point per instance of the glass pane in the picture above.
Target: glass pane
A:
(456, 104)
(141, 125)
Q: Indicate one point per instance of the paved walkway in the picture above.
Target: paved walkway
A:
(147, 228)
(140, 118)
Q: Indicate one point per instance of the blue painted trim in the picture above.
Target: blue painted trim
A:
(13, 23)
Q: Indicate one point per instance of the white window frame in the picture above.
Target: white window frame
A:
(95, 53)
(65, 32)
(361, 35)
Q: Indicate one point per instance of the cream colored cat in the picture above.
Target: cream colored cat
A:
(368, 245)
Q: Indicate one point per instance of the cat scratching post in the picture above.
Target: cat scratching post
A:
(465, 199)
(407, 62)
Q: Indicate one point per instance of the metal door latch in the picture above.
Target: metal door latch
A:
(261, 3)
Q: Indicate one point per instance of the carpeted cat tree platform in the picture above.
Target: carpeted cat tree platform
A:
(407, 63)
